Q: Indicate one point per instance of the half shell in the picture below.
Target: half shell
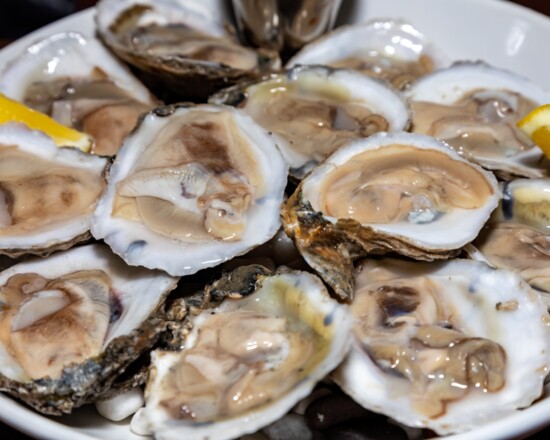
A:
(475, 107)
(76, 81)
(400, 192)
(259, 344)
(517, 237)
(47, 194)
(393, 50)
(192, 187)
(183, 45)
(445, 346)
(73, 322)
(313, 110)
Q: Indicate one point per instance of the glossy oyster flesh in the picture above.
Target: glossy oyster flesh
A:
(313, 110)
(73, 322)
(180, 43)
(47, 194)
(76, 81)
(397, 192)
(475, 107)
(191, 188)
(392, 50)
(259, 344)
(447, 346)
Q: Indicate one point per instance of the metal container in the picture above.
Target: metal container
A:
(284, 25)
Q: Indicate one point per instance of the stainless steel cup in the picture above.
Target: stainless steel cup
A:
(284, 25)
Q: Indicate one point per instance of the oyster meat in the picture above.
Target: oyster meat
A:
(73, 322)
(313, 110)
(76, 81)
(392, 50)
(259, 344)
(475, 107)
(47, 194)
(396, 192)
(445, 346)
(192, 187)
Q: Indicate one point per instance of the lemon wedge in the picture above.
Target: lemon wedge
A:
(13, 111)
(536, 125)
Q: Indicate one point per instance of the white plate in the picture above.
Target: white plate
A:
(496, 31)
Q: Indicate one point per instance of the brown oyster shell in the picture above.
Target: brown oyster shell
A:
(176, 78)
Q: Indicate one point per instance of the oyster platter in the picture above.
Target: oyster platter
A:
(338, 231)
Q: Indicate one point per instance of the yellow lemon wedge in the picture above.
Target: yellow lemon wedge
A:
(536, 125)
(63, 136)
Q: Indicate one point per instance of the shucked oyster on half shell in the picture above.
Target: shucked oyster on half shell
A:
(313, 110)
(259, 344)
(517, 236)
(447, 345)
(182, 44)
(76, 81)
(192, 187)
(397, 192)
(393, 50)
(71, 323)
(475, 107)
(47, 194)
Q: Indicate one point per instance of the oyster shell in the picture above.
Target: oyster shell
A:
(182, 44)
(393, 50)
(446, 346)
(313, 110)
(400, 192)
(73, 322)
(47, 194)
(475, 107)
(192, 187)
(259, 344)
(75, 80)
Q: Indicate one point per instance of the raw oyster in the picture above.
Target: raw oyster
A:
(517, 237)
(259, 344)
(396, 192)
(75, 80)
(73, 322)
(475, 107)
(447, 346)
(389, 49)
(183, 44)
(192, 187)
(47, 194)
(313, 110)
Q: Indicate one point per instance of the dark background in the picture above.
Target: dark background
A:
(19, 17)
